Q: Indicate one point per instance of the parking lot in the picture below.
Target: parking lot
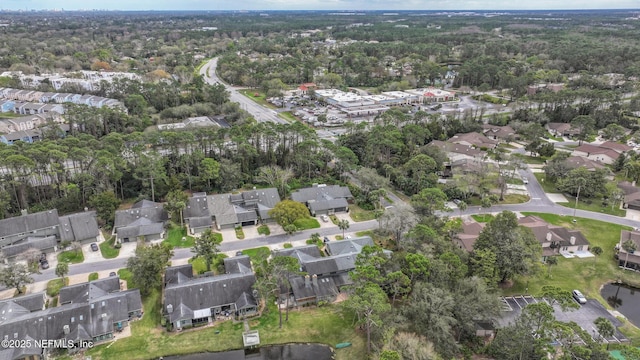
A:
(584, 316)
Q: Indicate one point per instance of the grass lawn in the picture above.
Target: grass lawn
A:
(547, 186)
(306, 224)
(93, 276)
(239, 233)
(264, 230)
(175, 238)
(71, 256)
(514, 199)
(548, 135)
(125, 274)
(287, 115)
(531, 159)
(358, 214)
(515, 181)
(587, 274)
(380, 240)
(287, 245)
(54, 286)
(314, 325)
(260, 99)
(255, 252)
(334, 219)
(482, 218)
(108, 250)
(595, 206)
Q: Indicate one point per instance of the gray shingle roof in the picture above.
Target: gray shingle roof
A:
(79, 227)
(154, 212)
(39, 243)
(231, 209)
(28, 223)
(321, 193)
(200, 222)
(198, 206)
(238, 265)
(302, 253)
(330, 264)
(85, 292)
(31, 302)
(349, 246)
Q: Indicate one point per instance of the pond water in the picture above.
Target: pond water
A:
(276, 352)
(623, 298)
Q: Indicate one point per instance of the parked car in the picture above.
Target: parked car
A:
(326, 239)
(239, 253)
(577, 295)
(525, 180)
(44, 264)
(457, 201)
(113, 273)
(324, 218)
(94, 246)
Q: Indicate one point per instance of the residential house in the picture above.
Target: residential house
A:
(191, 301)
(471, 230)
(561, 129)
(44, 230)
(631, 195)
(478, 141)
(93, 315)
(27, 136)
(578, 161)
(197, 214)
(145, 220)
(554, 239)
(632, 259)
(246, 208)
(7, 105)
(325, 275)
(457, 152)
(605, 153)
(324, 200)
(499, 133)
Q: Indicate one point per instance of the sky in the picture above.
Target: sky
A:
(318, 4)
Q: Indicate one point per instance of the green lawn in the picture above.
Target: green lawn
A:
(71, 256)
(93, 276)
(54, 286)
(108, 249)
(254, 253)
(175, 238)
(260, 99)
(514, 199)
(358, 214)
(531, 159)
(264, 230)
(239, 233)
(287, 115)
(587, 274)
(482, 218)
(306, 224)
(547, 186)
(198, 265)
(287, 245)
(314, 325)
(595, 206)
(334, 219)
(125, 274)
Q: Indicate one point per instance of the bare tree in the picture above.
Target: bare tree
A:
(399, 219)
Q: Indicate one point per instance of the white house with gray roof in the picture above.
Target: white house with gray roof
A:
(324, 199)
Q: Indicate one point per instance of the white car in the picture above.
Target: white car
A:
(525, 180)
(324, 218)
(577, 295)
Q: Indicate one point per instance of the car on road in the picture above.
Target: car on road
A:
(94, 246)
(525, 180)
(457, 201)
(577, 295)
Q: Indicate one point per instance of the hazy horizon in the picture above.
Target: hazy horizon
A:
(361, 5)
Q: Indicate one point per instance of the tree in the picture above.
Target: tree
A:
(15, 276)
(389, 355)
(176, 202)
(209, 170)
(368, 303)
(551, 261)
(517, 250)
(428, 200)
(585, 125)
(343, 225)
(62, 269)
(290, 229)
(105, 204)
(482, 263)
(275, 176)
(462, 206)
(557, 295)
(32, 257)
(605, 329)
(629, 247)
(281, 269)
(399, 219)
(206, 247)
(596, 251)
(613, 132)
(286, 212)
(147, 266)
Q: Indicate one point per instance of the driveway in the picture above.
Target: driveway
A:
(90, 255)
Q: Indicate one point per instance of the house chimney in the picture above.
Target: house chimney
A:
(549, 235)
(307, 281)
(66, 329)
(572, 240)
(169, 309)
(315, 279)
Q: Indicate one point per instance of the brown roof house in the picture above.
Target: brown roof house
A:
(555, 239)
(561, 129)
(457, 152)
(631, 259)
(631, 195)
(470, 232)
(499, 133)
(605, 153)
(479, 141)
(579, 161)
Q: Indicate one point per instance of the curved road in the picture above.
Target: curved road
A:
(259, 112)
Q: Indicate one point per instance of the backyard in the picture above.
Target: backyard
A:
(313, 325)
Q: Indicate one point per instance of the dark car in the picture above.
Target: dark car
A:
(44, 264)
(239, 253)
(113, 273)
(94, 246)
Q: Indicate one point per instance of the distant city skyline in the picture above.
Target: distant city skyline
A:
(318, 4)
